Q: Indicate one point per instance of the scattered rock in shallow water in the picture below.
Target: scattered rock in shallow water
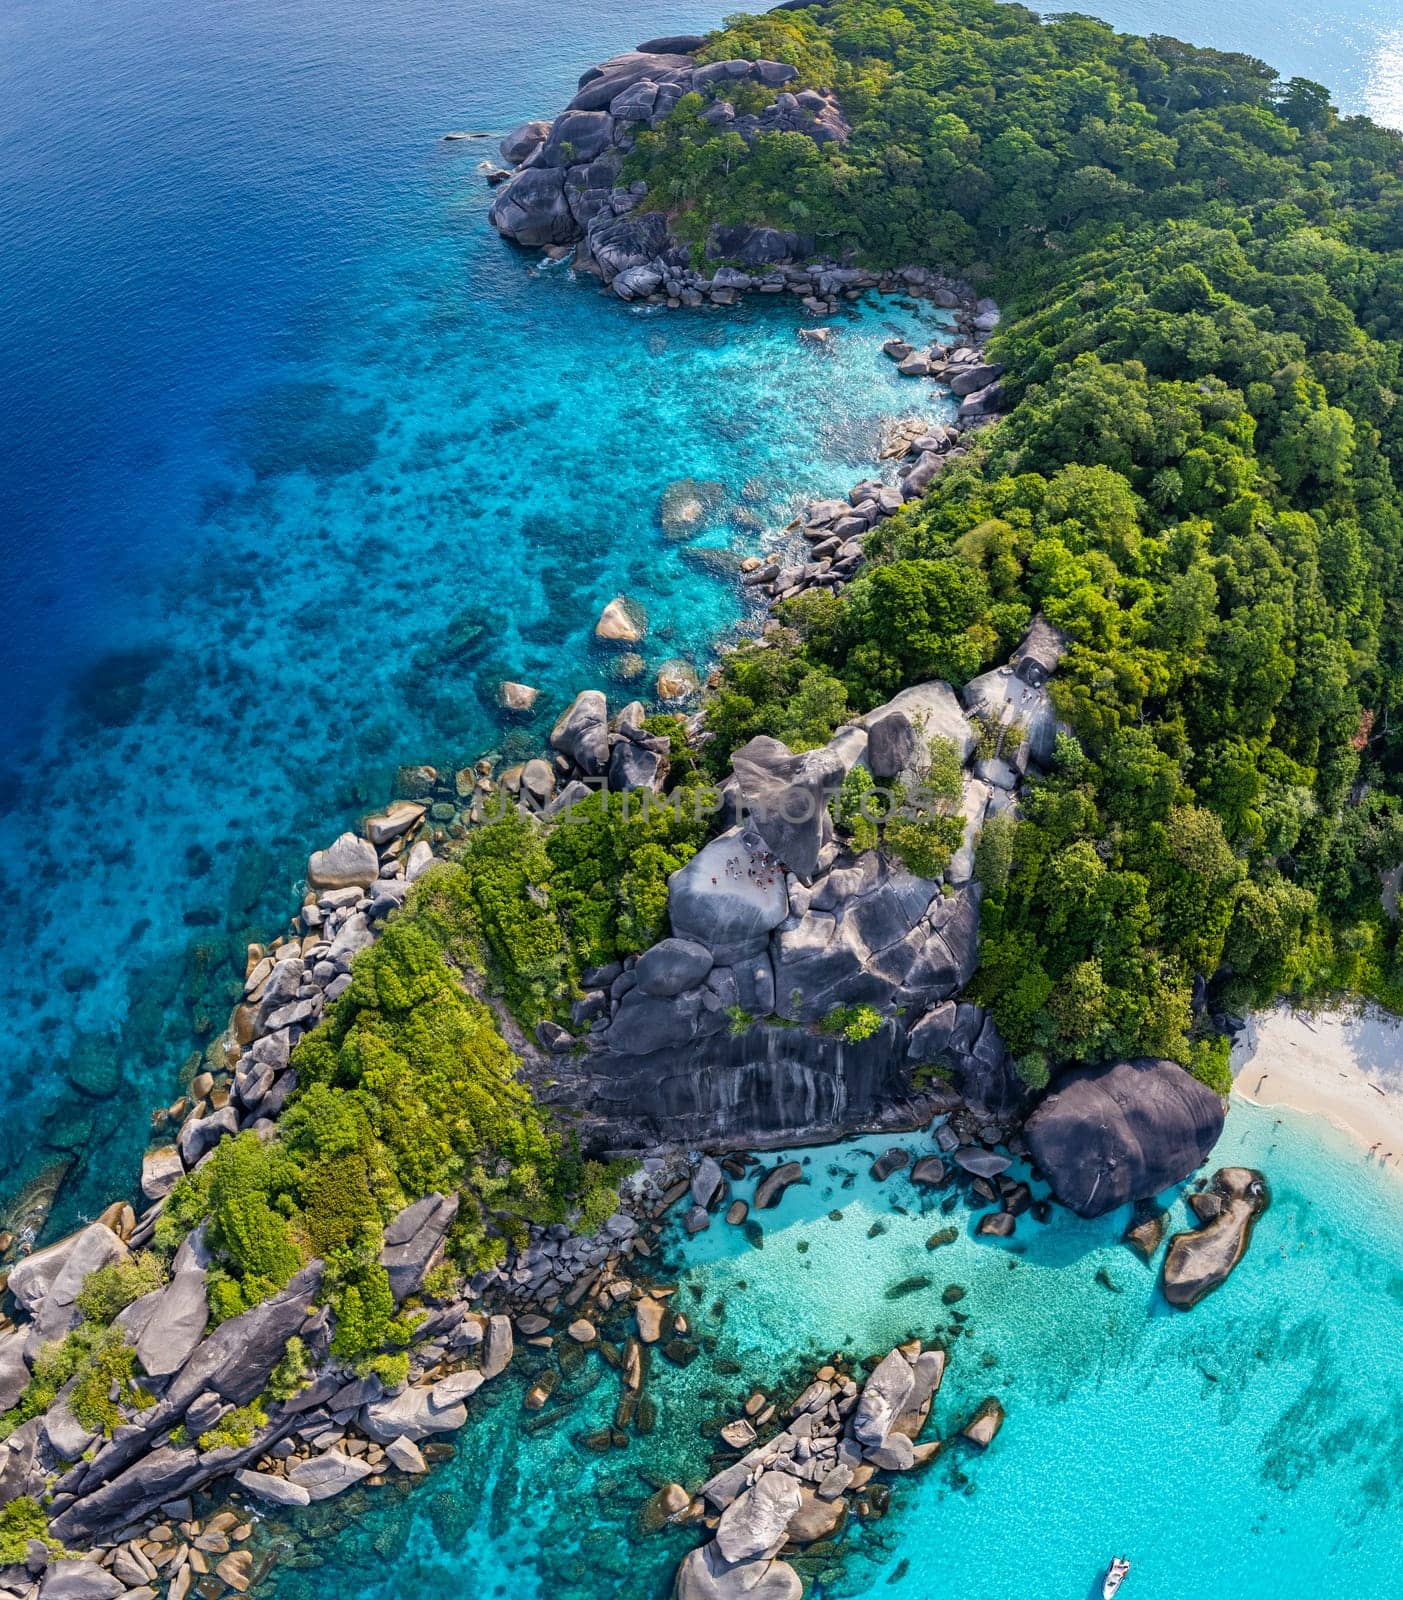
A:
(406, 1455)
(517, 697)
(817, 1517)
(981, 1163)
(985, 1424)
(737, 1212)
(1145, 1233)
(329, 1474)
(396, 819)
(677, 680)
(686, 506)
(628, 668)
(894, 1160)
(669, 1503)
(623, 621)
(997, 1224)
(649, 1314)
(1197, 1263)
(942, 1236)
(771, 1187)
(272, 1491)
(952, 1295)
(929, 1172)
(913, 1285)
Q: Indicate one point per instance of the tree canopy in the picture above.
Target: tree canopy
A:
(1198, 265)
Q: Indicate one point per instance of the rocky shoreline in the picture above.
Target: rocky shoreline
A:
(720, 1037)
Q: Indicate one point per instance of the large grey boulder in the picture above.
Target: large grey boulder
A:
(645, 1023)
(634, 764)
(582, 732)
(173, 1324)
(754, 1523)
(349, 863)
(891, 743)
(14, 1371)
(786, 798)
(329, 1474)
(601, 84)
(636, 239)
(67, 1437)
(885, 1395)
(533, 210)
(272, 1491)
(162, 1474)
(671, 966)
(396, 819)
(756, 246)
(79, 1580)
(577, 137)
(1114, 1134)
(705, 1574)
(873, 933)
(934, 713)
(411, 1414)
(414, 1242)
(523, 141)
(729, 896)
(47, 1283)
(239, 1356)
(498, 1346)
(200, 1134)
(161, 1170)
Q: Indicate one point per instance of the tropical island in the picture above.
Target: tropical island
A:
(1044, 766)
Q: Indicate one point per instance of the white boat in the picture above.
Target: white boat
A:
(1114, 1578)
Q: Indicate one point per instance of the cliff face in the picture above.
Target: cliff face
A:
(752, 1088)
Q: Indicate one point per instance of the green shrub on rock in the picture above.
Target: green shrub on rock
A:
(924, 844)
(852, 1023)
(113, 1288)
(21, 1520)
(292, 1372)
(236, 1430)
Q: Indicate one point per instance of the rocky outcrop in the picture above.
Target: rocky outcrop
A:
(786, 798)
(1114, 1134)
(581, 734)
(414, 1242)
(349, 863)
(1199, 1262)
(47, 1283)
(565, 188)
(797, 1487)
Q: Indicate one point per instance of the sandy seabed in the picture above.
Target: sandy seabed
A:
(1346, 1065)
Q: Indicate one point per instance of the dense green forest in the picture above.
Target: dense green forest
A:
(1200, 268)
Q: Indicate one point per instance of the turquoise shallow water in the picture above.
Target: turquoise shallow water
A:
(1248, 1448)
(430, 474)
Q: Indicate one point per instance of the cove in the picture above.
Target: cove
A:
(1257, 1434)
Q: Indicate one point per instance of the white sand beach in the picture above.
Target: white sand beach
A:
(1344, 1065)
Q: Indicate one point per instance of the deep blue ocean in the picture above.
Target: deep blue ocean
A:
(297, 459)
